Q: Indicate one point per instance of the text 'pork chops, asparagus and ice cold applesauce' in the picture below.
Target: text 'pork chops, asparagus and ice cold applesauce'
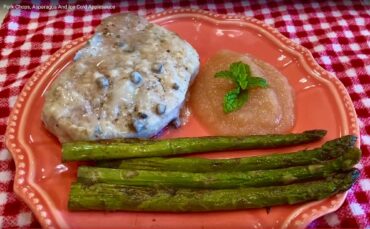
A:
(132, 79)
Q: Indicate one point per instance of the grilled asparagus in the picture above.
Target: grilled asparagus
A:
(112, 197)
(120, 149)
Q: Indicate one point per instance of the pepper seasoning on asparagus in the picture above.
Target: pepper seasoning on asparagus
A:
(331, 149)
(219, 180)
(105, 150)
(165, 184)
(112, 197)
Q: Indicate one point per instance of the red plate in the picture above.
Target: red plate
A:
(43, 182)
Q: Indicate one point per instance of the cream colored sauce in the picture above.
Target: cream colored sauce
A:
(267, 111)
(96, 98)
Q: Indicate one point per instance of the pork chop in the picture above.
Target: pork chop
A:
(129, 81)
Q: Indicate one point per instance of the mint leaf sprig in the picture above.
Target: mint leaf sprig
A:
(241, 75)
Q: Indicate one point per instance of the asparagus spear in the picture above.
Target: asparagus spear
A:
(104, 150)
(219, 180)
(114, 197)
(331, 149)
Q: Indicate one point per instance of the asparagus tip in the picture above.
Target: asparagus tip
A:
(355, 174)
(345, 142)
(316, 133)
(348, 179)
(350, 139)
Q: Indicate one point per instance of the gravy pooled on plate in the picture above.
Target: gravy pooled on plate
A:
(268, 110)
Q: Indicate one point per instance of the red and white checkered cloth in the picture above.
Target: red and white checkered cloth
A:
(337, 34)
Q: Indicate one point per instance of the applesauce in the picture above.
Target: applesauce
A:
(268, 110)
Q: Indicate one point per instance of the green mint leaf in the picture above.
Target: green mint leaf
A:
(224, 74)
(234, 100)
(254, 82)
(243, 83)
(237, 68)
(247, 70)
(240, 73)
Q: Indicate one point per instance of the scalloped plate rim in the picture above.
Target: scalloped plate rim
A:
(26, 189)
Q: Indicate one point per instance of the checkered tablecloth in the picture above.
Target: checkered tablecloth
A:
(337, 34)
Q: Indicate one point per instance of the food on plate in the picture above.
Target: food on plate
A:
(239, 73)
(112, 197)
(221, 179)
(268, 110)
(330, 150)
(129, 81)
(129, 148)
(272, 180)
